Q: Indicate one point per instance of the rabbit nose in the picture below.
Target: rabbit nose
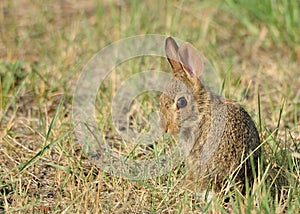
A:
(166, 129)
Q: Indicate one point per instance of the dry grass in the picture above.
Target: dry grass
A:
(45, 44)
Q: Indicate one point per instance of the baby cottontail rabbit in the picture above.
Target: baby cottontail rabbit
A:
(217, 133)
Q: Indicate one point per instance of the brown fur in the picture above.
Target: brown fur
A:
(217, 133)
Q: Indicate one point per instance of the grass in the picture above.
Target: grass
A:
(253, 45)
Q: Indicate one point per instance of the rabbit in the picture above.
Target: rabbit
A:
(217, 133)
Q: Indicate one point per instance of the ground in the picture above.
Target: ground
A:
(254, 46)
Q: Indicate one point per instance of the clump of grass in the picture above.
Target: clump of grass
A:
(280, 18)
(12, 79)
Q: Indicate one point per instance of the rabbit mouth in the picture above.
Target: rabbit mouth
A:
(171, 129)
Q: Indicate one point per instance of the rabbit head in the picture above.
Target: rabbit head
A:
(185, 99)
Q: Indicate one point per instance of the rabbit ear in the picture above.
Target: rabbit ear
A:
(191, 60)
(171, 49)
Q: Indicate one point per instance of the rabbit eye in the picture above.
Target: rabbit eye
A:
(181, 103)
